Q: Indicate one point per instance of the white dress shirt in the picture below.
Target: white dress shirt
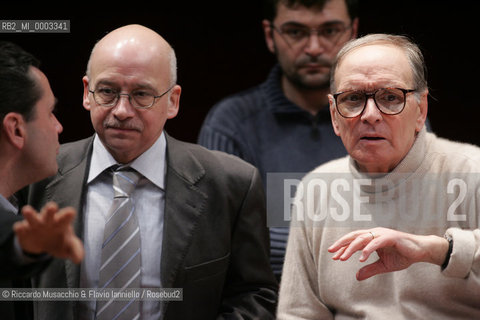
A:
(149, 197)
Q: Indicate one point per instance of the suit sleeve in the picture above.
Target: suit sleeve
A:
(251, 290)
(10, 267)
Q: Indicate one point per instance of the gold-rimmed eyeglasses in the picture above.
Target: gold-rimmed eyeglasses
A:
(140, 99)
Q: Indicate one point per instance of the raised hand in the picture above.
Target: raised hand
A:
(49, 231)
(396, 250)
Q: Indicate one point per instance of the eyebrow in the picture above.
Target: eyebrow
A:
(106, 82)
(137, 86)
(325, 24)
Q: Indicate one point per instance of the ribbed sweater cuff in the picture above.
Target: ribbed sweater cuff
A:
(463, 252)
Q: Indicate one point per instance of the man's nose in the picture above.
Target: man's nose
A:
(124, 108)
(314, 46)
(371, 113)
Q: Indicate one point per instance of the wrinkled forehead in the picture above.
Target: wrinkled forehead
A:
(127, 53)
(373, 65)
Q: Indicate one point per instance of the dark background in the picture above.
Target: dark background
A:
(221, 50)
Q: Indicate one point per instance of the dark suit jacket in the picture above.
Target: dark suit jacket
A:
(215, 242)
(11, 274)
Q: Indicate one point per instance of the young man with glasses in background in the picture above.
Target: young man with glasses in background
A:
(283, 124)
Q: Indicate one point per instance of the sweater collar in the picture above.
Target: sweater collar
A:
(276, 100)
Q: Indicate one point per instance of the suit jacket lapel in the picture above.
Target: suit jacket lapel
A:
(68, 189)
(184, 204)
(184, 201)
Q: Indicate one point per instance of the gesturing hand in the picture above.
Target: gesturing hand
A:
(396, 250)
(49, 231)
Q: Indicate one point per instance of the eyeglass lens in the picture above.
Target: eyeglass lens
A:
(388, 101)
(296, 34)
(109, 97)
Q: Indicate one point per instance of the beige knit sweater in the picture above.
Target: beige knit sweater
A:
(434, 190)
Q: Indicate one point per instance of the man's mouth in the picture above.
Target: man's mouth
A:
(372, 138)
(315, 66)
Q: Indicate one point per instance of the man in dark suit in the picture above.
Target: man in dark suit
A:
(28, 147)
(200, 213)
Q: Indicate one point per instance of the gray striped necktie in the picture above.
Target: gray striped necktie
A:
(121, 259)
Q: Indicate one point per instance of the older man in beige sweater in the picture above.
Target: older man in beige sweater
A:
(400, 213)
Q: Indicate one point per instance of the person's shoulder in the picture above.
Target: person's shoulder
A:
(75, 145)
(340, 165)
(73, 152)
(239, 106)
(215, 161)
(454, 154)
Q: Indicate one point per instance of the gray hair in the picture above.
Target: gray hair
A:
(412, 51)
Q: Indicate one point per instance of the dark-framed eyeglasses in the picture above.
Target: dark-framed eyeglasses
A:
(351, 104)
(296, 34)
(140, 99)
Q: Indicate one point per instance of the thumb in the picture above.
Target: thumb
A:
(76, 250)
(371, 270)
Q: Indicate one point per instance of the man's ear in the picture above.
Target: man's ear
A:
(333, 115)
(174, 102)
(354, 28)
(14, 129)
(86, 100)
(268, 32)
(423, 110)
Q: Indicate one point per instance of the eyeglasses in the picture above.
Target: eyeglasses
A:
(351, 104)
(297, 34)
(139, 99)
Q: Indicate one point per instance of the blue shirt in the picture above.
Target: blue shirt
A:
(266, 129)
(149, 197)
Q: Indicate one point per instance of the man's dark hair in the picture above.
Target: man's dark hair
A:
(271, 6)
(19, 92)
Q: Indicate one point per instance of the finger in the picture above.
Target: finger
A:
(71, 248)
(65, 216)
(378, 243)
(31, 216)
(20, 227)
(48, 212)
(339, 253)
(345, 240)
(77, 251)
(369, 248)
(356, 245)
(371, 270)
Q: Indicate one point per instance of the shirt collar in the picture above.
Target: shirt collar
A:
(7, 206)
(151, 163)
